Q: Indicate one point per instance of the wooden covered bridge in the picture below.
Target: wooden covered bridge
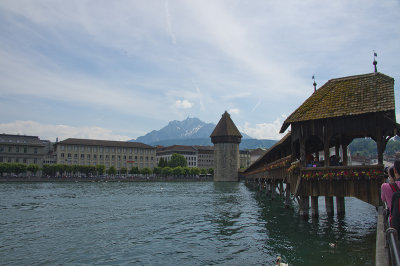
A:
(322, 128)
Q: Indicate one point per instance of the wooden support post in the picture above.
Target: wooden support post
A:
(287, 197)
(326, 149)
(379, 143)
(344, 152)
(337, 147)
(273, 191)
(304, 206)
(314, 206)
(303, 151)
(340, 209)
(329, 206)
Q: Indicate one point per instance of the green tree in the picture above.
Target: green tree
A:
(162, 163)
(210, 171)
(33, 168)
(3, 168)
(134, 170)
(100, 169)
(178, 171)
(123, 170)
(145, 171)
(19, 168)
(112, 171)
(166, 171)
(177, 160)
(392, 147)
(186, 171)
(194, 171)
(203, 171)
(157, 170)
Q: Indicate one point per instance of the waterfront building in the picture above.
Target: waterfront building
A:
(245, 158)
(189, 152)
(255, 154)
(205, 155)
(22, 149)
(104, 152)
(226, 138)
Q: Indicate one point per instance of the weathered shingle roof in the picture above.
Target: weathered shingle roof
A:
(226, 127)
(106, 143)
(352, 95)
(265, 158)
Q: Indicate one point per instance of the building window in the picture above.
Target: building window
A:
(94, 156)
(75, 156)
(69, 155)
(35, 150)
(88, 156)
(25, 150)
(16, 149)
(62, 147)
(9, 149)
(112, 157)
(62, 155)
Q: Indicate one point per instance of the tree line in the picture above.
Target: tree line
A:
(367, 147)
(177, 166)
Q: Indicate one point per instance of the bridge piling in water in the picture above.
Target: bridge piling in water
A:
(340, 207)
(304, 206)
(329, 206)
(314, 206)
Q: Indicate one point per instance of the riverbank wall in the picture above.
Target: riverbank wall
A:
(110, 179)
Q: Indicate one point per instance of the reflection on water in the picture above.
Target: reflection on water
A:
(197, 223)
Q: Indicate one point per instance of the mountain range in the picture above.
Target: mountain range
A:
(193, 131)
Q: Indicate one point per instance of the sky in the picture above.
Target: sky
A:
(116, 70)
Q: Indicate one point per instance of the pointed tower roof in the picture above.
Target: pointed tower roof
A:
(226, 131)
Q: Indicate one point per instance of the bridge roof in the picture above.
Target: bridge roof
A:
(270, 155)
(353, 95)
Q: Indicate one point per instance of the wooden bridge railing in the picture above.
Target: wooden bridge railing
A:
(274, 170)
(362, 182)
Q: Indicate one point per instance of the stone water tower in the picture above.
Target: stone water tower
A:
(226, 138)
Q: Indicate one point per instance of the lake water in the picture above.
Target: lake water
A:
(173, 223)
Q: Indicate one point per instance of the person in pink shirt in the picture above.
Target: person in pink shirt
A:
(386, 189)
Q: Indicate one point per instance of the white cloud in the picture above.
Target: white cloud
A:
(265, 130)
(234, 111)
(169, 22)
(185, 104)
(51, 132)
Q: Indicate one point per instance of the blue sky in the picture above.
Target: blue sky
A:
(117, 70)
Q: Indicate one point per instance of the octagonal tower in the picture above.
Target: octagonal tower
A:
(226, 138)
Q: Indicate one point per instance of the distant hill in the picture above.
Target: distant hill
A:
(193, 131)
(190, 128)
(246, 144)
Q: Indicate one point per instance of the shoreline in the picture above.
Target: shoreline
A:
(98, 179)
